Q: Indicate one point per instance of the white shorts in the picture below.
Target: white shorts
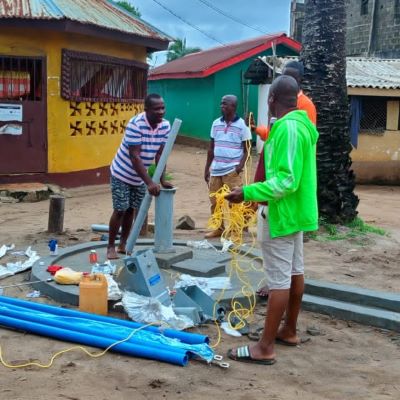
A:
(282, 256)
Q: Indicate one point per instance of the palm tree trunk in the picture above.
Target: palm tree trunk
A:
(324, 60)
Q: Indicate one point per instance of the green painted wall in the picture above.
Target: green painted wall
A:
(197, 101)
(191, 100)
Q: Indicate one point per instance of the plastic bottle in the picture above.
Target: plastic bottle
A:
(93, 294)
(53, 246)
(93, 257)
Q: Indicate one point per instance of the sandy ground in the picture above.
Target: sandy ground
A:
(346, 361)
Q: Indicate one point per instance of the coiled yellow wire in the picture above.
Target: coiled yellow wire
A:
(236, 218)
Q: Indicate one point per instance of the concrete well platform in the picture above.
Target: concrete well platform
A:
(196, 262)
(368, 307)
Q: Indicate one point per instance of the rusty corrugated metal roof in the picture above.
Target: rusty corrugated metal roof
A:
(206, 62)
(361, 72)
(101, 13)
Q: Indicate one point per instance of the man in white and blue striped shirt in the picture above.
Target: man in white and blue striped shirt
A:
(142, 144)
(230, 143)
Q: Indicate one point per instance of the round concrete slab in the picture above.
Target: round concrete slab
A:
(77, 258)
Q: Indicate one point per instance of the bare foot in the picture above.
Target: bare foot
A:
(111, 253)
(121, 249)
(287, 337)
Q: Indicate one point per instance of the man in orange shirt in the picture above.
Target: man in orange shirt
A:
(294, 69)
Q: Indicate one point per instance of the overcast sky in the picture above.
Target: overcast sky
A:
(267, 16)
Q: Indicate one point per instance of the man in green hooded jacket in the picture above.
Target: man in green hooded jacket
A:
(290, 188)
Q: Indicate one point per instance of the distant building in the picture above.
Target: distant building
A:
(296, 19)
(373, 86)
(373, 27)
(192, 86)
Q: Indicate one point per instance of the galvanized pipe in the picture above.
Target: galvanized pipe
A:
(144, 207)
(164, 212)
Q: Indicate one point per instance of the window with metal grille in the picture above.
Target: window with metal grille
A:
(364, 7)
(92, 77)
(20, 78)
(374, 113)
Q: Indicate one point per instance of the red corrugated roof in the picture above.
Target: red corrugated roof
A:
(205, 63)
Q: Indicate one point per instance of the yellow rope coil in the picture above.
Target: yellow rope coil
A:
(236, 218)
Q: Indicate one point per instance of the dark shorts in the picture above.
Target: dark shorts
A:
(126, 196)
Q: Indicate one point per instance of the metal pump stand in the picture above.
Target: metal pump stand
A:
(163, 235)
(144, 208)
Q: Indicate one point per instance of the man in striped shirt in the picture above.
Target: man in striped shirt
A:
(143, 142)
(228, 152)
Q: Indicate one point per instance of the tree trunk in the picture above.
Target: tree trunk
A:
(324, 58)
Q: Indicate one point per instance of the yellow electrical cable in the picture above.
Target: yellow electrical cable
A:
(235, 218)
(93, 355)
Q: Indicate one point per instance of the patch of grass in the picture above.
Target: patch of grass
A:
(359, 225)
(356, 230)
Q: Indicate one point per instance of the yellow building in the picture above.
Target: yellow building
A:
(72, 73)
(373, 86)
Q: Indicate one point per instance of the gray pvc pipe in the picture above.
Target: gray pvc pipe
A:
(101, 228)
(144, 207)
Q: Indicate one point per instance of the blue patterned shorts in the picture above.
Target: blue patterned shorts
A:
(126, 196)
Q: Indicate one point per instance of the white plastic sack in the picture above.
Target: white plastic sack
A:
(19, 266)
(207, 285)
(230, 331)
(205, 244)
(4, 249)
(114, 292)
(148, 310)
(200, 244)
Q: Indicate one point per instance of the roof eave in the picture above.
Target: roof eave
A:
(65, 25)
(283, 39)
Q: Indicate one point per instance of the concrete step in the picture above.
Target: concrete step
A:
(349, 311)
(353, 294)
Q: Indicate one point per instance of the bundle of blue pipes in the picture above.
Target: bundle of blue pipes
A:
(150, 342)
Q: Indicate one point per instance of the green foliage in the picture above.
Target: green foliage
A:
(356, 229)
(359, 225)
(129, 7)
(178, 49)
(152, 169)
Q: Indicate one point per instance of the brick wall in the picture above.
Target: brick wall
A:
(386, 35)
(386, 43)
(358, 27)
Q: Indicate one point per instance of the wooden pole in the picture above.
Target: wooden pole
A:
(56, 214)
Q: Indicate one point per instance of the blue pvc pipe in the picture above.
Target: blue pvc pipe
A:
(101, 331)
(94, 341)
(190, 338)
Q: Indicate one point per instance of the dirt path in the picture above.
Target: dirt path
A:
(346, 361)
